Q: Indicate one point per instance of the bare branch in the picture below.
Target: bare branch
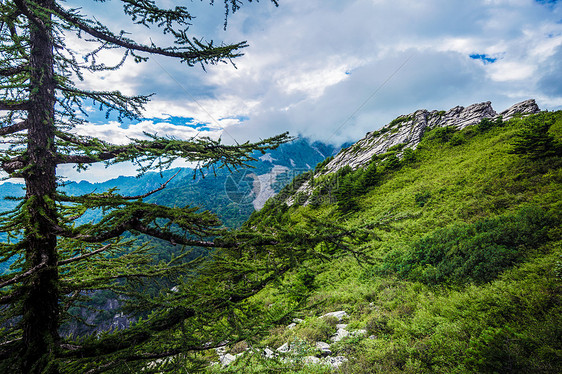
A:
(13, 128)
(151, 192)
(12, 165)
(11, 71)
(78, 258)
(21, 276)
(8, 105)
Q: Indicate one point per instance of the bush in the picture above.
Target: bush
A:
(408, 156)
(534, 140)
(457, 139)
(440, 134)
(476, 252)
(422, 197)
(487, 124)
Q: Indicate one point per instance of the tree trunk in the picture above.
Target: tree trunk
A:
(40, 307)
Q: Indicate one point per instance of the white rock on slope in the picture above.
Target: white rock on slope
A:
(409, 129)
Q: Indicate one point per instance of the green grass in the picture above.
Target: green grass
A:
(507, 320)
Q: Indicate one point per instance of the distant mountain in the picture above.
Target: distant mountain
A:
(233, 196)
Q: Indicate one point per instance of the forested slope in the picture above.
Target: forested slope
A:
(457, 261)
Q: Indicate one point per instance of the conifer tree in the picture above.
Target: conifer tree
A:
(534, 140)
(56, 258)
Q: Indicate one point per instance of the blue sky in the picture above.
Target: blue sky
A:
(334, 70)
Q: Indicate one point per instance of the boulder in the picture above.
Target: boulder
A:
(339, 315)
(324, 348)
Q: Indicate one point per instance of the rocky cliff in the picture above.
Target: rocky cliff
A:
(409, 129)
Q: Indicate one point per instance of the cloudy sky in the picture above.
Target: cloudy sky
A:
(332, 70)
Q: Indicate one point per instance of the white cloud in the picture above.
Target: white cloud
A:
(509, 71)
(312, 64)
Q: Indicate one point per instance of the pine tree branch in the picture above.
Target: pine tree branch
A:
(11, 71)
(84, 141)
(78, 258)
(162, 186)
(128, 106)
(191, 55)
(24, 9)
(136, 335)
(8, 348)
(11, 297)
(21, 276)
(135, 225)
(203, 150)
(13, 128)
(10, 105)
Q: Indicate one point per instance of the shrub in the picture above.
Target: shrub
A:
(534, 140)
(457, 139)
(408, 156)
(422, 197)
(487, 124)
(476, 252)
(440, 134)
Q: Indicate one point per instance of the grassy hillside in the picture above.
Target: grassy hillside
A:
(464, 271)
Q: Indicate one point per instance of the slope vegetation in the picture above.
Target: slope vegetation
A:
(458, 257)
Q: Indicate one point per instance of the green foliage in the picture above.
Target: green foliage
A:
(457, 139)
(62, 258)
(408, 156)
(321, 165)
(422, 197)
(534, 140)
(470, 282)
(440, 134)
(397, 121)
(391, 162)
(486, 124)
(476, 252)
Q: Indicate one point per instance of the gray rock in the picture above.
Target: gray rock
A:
(284, 348)
(340, 334)
(341, 325)
(227, 359)
(310, 360)
(335, 362)
(339, 315)
(525, 107)
(268, 353)
(220, 351)
(298, 320)
(324, 348)
(358, 332)
(409, 129)
(291, 326)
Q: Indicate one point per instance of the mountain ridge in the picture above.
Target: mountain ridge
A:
(407, 130)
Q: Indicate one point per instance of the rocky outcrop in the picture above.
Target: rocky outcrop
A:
(409, 129)
(524, 107)
(297, 351)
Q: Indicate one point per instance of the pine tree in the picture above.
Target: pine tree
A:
(57, 259)
(534, 140)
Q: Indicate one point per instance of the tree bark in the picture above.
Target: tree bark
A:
(40, 306)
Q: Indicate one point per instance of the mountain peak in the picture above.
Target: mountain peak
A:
(408, 130)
